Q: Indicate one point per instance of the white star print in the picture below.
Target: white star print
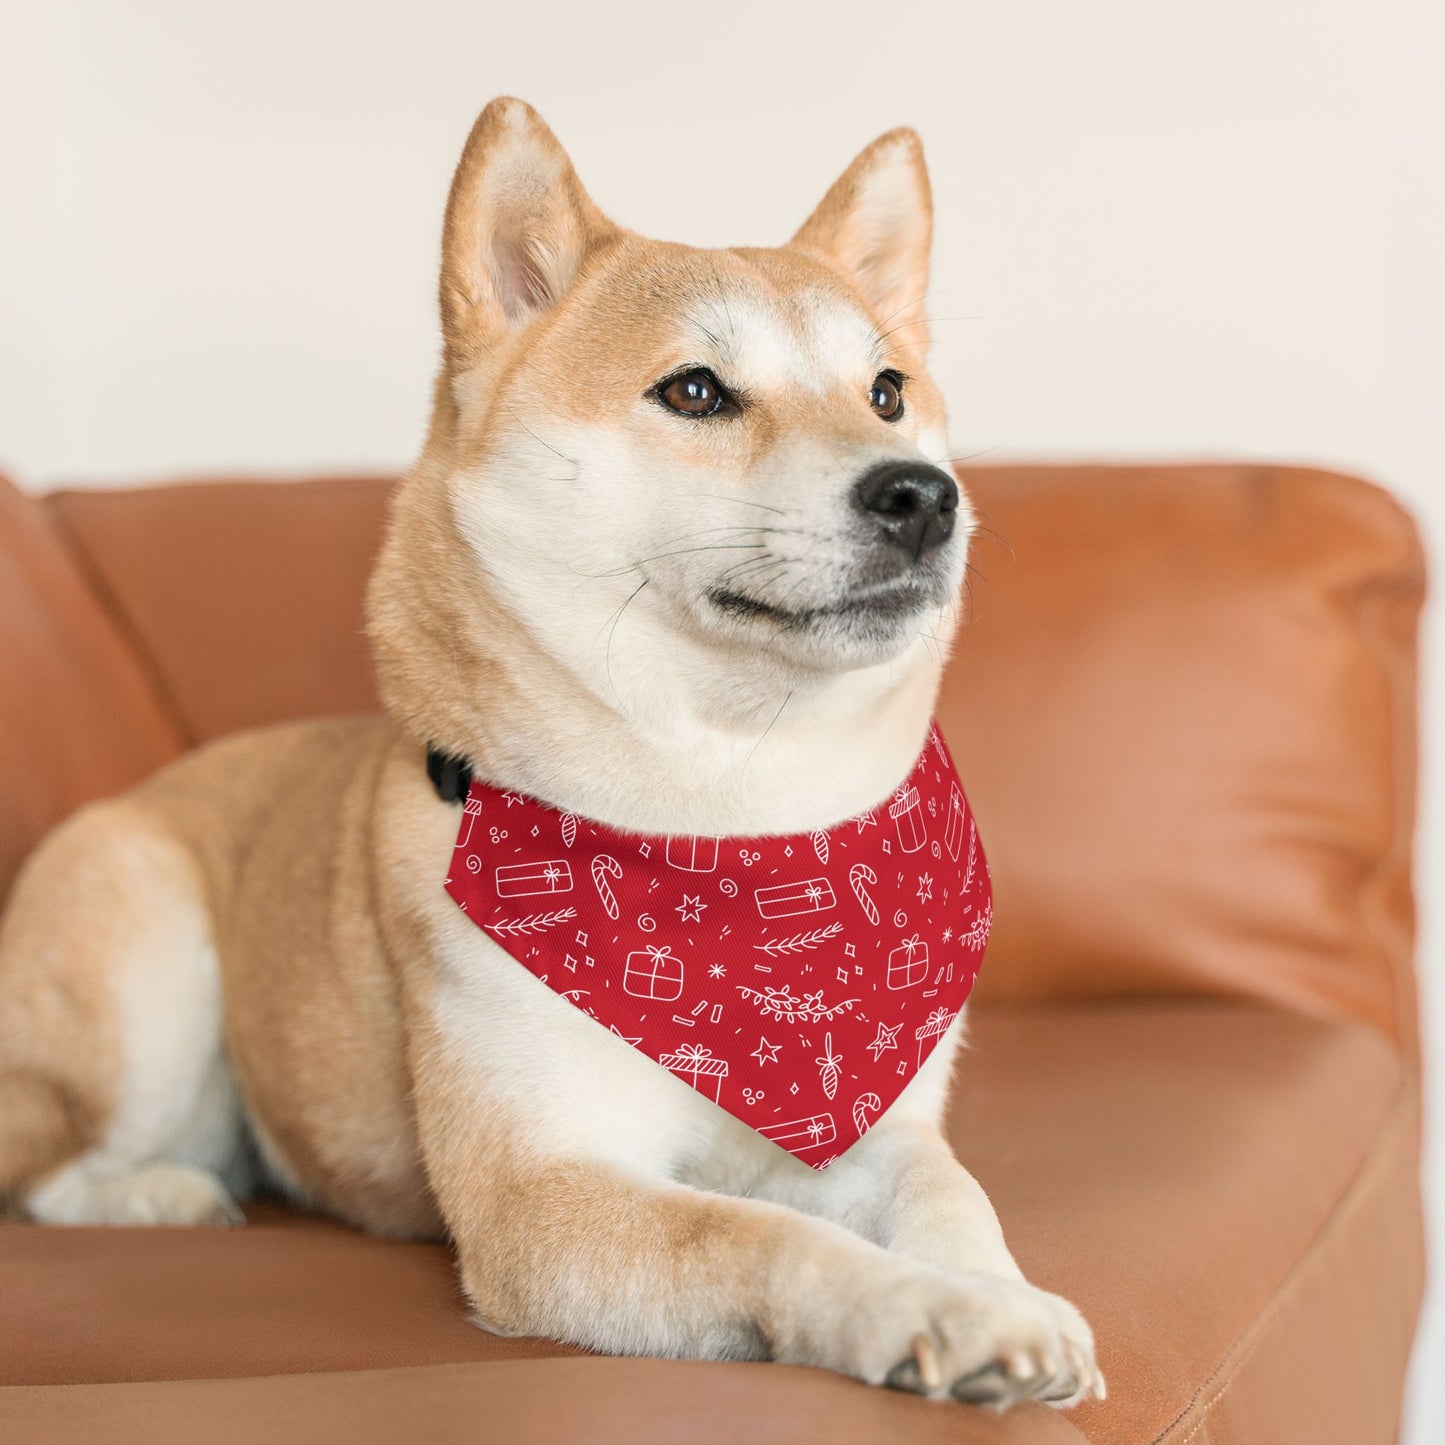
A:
(691, 909)
(887, 1039)
(767, 1053)
(925, 888)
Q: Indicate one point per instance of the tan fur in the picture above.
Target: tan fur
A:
(257, 942)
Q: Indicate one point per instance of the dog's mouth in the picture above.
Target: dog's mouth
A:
(888, 604)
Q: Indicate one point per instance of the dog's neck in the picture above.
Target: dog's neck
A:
(689, 750)
(644, 728)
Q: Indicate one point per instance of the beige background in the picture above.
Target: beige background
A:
(1164, 229)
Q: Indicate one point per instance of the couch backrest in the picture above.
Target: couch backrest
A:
(246, 596)
(79, 717)
(1186, 709)
(1183, 705)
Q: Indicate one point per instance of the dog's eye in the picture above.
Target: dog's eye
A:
(886, 397)
(694, 393)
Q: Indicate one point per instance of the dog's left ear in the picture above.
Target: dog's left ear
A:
(877, 223)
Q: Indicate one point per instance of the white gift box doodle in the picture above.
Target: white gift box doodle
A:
(953, 828)
(653, 972)
(783, 900)
(554, 875)
(471, 811)
(692, 854)
(908, 963)
(933, 1027)
(802, 1133)
(698, 1061)
(907, 813)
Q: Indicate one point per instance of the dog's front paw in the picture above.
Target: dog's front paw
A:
(981, 1338)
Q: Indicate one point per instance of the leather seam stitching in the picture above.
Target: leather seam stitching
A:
(1242, 1350)
(130, 633)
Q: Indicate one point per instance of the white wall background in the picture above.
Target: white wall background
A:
(1163, 229)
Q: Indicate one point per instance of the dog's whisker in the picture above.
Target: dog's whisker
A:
(571, 461)
(742, 502)
(658, 556)
(805, 580)
(765, 732)
(761, 580)
(916, 301)
(734, 568)
(612, 633)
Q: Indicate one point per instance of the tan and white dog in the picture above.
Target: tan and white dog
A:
(676, 557)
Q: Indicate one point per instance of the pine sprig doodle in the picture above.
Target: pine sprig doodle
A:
(797, 942)
(532, 923)
(972, 857)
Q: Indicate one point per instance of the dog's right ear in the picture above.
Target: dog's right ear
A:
(518, 228)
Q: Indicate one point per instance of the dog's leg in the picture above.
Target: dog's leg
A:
(589, 1253)
(116, 1104)
(567, 1231)
(901, 1188)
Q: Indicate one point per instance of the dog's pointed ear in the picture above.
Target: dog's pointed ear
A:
(877, 223)
(518, 228)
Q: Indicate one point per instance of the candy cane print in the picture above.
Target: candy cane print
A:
(865, 1104)
(604, 865)
(859, 875)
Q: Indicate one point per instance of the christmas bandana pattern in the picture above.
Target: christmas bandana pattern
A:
(797, 981)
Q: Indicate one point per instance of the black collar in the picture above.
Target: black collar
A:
(450, 774)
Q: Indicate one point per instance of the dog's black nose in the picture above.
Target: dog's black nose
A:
(915, 504)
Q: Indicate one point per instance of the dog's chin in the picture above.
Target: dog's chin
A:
(867, 625)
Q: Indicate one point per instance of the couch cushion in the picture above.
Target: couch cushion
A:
(1184, 1173)
(247, 595)
(531, 1402)
(79, 717)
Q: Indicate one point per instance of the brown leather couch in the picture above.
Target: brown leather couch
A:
(1185, 710)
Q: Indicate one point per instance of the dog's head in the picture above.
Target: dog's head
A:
(739, 452)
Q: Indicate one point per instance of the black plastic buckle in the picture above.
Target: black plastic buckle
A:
(450, 775)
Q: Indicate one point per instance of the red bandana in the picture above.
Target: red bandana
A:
(799, 981)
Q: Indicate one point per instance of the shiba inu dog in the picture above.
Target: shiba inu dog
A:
(676, 556)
